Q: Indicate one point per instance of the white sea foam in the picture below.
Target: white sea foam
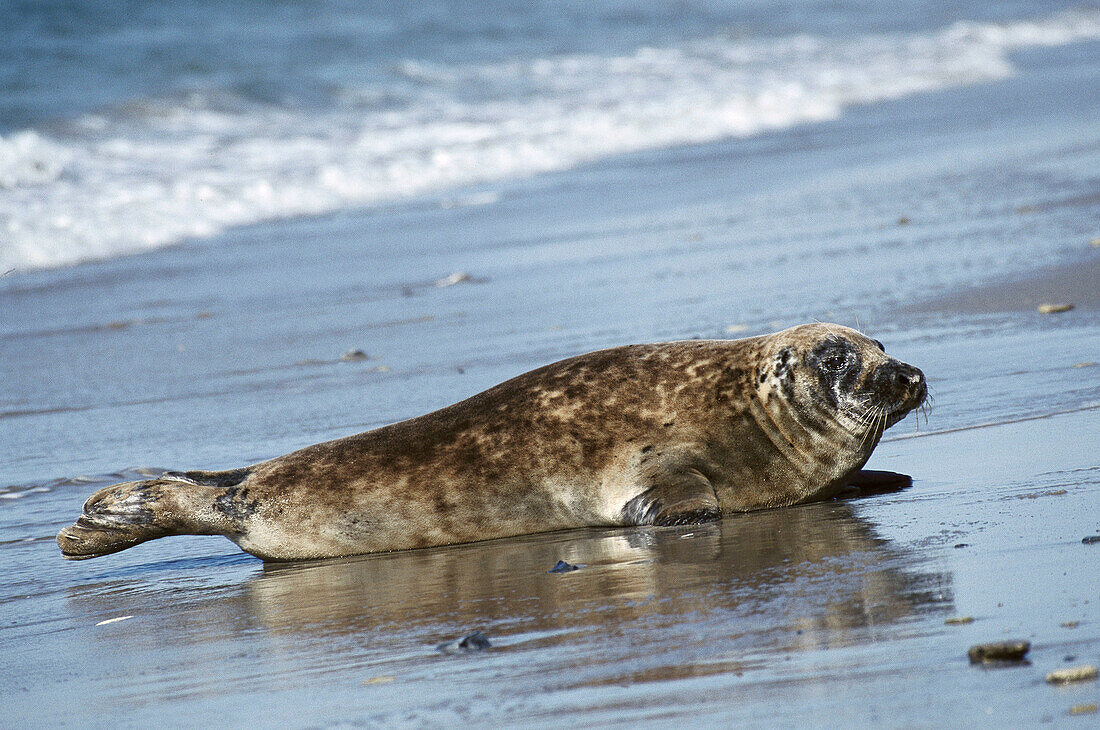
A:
(156, 173)
(19, 494)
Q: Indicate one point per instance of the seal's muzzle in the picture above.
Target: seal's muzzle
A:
(903, 388)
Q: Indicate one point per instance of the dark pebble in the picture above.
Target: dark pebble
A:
(1091, 539)
(962, 545)
(474, 642)
(1001, 651)
(563, 567)
(471, 642)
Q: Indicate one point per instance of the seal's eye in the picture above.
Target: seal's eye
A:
(834, 363)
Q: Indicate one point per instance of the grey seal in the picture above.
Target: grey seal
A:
(654, 434)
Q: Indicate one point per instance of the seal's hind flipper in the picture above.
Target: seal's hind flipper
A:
(124, 515)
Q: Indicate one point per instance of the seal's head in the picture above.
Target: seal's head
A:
(831, 391)
(827, 368)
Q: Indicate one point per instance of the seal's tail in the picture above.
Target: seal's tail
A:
(124, 515)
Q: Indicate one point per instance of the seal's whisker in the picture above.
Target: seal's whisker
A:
(861, 417)
(880, 428)
(875, 425)
(860, 412)
(872, 417)
(875, 412)
(926, 404)
(871, 426)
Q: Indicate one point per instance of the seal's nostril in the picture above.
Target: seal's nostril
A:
(903, 377)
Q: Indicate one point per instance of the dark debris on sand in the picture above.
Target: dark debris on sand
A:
(1000, 652)
(476, 641)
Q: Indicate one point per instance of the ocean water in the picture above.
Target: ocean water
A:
(130, 126)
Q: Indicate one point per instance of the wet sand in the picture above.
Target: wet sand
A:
(219, 354)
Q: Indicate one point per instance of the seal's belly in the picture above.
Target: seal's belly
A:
(399, 516)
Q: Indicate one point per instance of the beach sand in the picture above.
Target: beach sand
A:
(937, 223)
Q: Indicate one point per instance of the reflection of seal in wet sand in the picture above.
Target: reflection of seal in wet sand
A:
(645, 434)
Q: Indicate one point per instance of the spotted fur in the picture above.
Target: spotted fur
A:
(659, 434)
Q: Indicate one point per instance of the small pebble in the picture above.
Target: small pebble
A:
(1054, 308)
(113, 620)
(1001, 651)
(353, 356)
(954, 620)
(904, 220)
(1091, 539)
(456, 278)
(471, 642)
(1082, 673)
(475, 641)
(1086, 709)
(962, 545)
(563, 567)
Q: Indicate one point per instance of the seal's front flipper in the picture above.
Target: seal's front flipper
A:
(871, 481)
(124, 515)
(676, 497)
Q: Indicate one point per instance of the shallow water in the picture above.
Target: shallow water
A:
(227, 350)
